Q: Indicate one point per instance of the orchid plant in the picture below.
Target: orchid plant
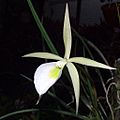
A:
(48, 73)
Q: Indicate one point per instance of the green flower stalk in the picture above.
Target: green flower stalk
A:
(48, 73)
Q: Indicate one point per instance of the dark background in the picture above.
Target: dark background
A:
(19, 35)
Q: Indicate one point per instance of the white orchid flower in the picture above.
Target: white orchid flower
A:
(48, 73)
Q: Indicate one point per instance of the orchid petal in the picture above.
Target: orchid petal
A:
(75, 81)
(45, 55)
(89, 62)
(45, 76)
(67, 34)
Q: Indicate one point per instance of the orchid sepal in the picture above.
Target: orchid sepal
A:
(89, 62)
(67, 37)
(45, 55)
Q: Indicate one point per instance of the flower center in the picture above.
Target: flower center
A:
(61, 64)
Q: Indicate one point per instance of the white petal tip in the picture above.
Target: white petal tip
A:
(38, 100)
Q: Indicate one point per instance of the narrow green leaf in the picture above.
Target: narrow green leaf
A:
(86, 102)
(41, 28)
(89, 62)
(61, 102)
(67, 34)
(45, 55)
(70, 114)
(18, 112)
(102, 109)
(75, 81)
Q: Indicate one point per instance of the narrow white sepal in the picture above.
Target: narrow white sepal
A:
(89, 62)
(45, 76)
(67, 33)
(44, 55)
(75, 81)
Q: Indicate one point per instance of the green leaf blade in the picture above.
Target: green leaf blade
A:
(18, 112)
(67, 34)
(89, 62)
(75, 81)
(44, 55)
(41, 28)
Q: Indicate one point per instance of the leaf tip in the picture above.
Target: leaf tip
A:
(110, 68)
(25, 56)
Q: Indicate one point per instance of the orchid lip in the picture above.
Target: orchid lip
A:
(45, 76)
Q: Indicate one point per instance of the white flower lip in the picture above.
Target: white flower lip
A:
(43, 79)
